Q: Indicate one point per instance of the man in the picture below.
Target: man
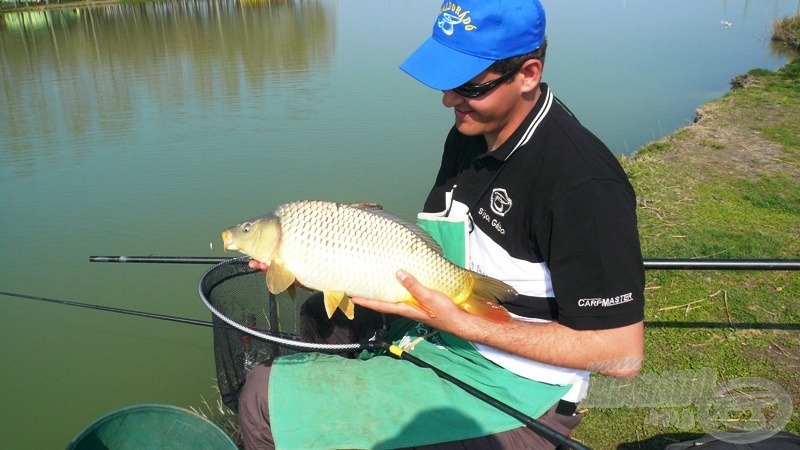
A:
(547, 208)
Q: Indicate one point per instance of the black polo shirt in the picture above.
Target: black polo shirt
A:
(553, 214)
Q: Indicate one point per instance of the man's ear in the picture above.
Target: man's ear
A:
(532, 71)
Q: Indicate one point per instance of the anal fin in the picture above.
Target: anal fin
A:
(486, 309)
(348, 307)
(416, 304)
(484, 297)
(332, 300)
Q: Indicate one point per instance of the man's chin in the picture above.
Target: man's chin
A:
(468, 127)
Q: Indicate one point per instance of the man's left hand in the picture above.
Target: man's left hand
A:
(436, 309)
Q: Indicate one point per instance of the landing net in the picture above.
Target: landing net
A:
(251, 325)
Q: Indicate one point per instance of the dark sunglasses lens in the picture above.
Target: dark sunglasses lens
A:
(476, 90)
(472, 91)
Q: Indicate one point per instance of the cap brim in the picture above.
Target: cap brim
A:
(440, 67)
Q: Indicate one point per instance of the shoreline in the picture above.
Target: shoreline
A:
(727, 187)
(61, 6)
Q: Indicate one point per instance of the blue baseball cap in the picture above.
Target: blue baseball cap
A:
(470, 35)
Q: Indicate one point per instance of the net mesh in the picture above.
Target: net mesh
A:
(240, 294)
(252, 326)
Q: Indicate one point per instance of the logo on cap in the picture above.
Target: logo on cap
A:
(451, 15)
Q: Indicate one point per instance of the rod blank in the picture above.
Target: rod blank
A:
(649, 264)
(722, 264)
(159, 259)
(130, 312)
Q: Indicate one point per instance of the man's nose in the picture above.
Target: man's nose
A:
(450, 99)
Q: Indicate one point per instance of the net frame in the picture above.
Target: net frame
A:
(252, 325)
(288, 340)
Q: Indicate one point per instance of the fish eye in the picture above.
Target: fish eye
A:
(246, 227)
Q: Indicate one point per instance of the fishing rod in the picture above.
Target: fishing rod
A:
(722, 264)
(131, 312)
(159, 259)
(543, 430)
(649, 264)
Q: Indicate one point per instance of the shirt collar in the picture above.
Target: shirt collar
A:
(525, 130)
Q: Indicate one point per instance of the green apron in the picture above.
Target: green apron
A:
(320, 401)
(451, 233)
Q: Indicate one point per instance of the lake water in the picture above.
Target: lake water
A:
(147, 129)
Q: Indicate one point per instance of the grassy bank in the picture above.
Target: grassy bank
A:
(728, 186)
(786, 33)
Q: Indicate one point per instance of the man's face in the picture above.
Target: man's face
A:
(495, 114)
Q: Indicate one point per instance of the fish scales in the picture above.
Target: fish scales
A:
(348, 250)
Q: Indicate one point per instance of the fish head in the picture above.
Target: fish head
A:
(258, 238)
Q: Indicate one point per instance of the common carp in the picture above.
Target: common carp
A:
(355, 250)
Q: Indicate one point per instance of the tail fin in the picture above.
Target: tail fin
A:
(484, 298)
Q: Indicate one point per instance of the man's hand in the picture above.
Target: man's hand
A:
(436, 309)
(264, 267)
(258, 265)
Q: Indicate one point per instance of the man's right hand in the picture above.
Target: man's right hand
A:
(264, 267)
(258, 265)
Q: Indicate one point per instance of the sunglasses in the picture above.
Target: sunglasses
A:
(476, 90)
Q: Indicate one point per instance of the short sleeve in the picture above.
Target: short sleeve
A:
(590, 242)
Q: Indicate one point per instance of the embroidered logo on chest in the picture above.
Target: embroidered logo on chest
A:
(500, 202)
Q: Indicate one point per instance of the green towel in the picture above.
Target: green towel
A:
(320, 401)
(452, 234)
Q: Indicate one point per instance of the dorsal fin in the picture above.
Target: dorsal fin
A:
(374, 208)
(367, 205)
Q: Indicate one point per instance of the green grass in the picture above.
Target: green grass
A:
(778, 195)
(695, 204)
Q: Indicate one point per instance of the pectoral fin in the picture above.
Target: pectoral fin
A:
(278, 278)
(332, 301)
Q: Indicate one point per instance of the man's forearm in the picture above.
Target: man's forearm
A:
(615, 352)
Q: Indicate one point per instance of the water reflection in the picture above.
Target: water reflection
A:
(185, 51)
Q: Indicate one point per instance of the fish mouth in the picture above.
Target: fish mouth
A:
(227, 241)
